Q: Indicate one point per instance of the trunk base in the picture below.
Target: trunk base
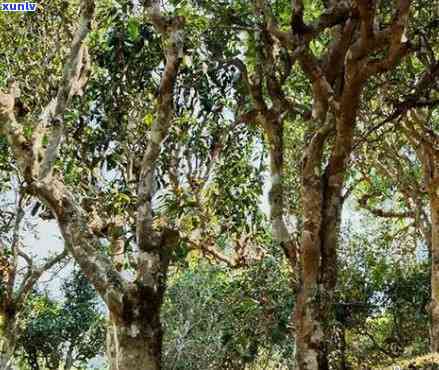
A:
(134, 347)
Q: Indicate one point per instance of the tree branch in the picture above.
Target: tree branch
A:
(34, 274)
(383, 213)
(14, 245)
(75, 77)
(398, 43)
(171, 30)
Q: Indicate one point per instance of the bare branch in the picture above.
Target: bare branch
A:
(34, 274)
(27, 258)
(302, 33)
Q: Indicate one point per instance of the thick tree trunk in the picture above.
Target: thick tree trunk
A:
(329, 233)
(309, 330)
(322, 208)
(7, 341)
(322, 202)
(134, 345)
(434, 203)
(134, 335)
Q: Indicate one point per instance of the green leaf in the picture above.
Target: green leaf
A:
(133, 29)
(148, 119)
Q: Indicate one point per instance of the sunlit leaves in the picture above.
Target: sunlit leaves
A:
(239, 315)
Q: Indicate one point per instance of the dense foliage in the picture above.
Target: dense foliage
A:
(240, 184)
(68, 333)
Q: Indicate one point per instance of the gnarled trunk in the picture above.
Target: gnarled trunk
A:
(134, 334)
(321, 212)
(309, 330)
(322, 202)
(134, 345)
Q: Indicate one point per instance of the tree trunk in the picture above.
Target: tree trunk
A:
(434, 204)
(321, 214)
(274, 130)
(7, 341)
(322, 203)
(135, 345)
(134, 335)
(309, 331)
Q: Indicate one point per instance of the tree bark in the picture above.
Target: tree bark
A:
(274, 131)
(7, 341)
(134, 334)
(434, 204)
(322, 202)
(309, 331)
(133, 346)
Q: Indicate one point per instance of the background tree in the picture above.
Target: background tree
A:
(20, 271)
(407, 156)
(350, 41)
(65, 334)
